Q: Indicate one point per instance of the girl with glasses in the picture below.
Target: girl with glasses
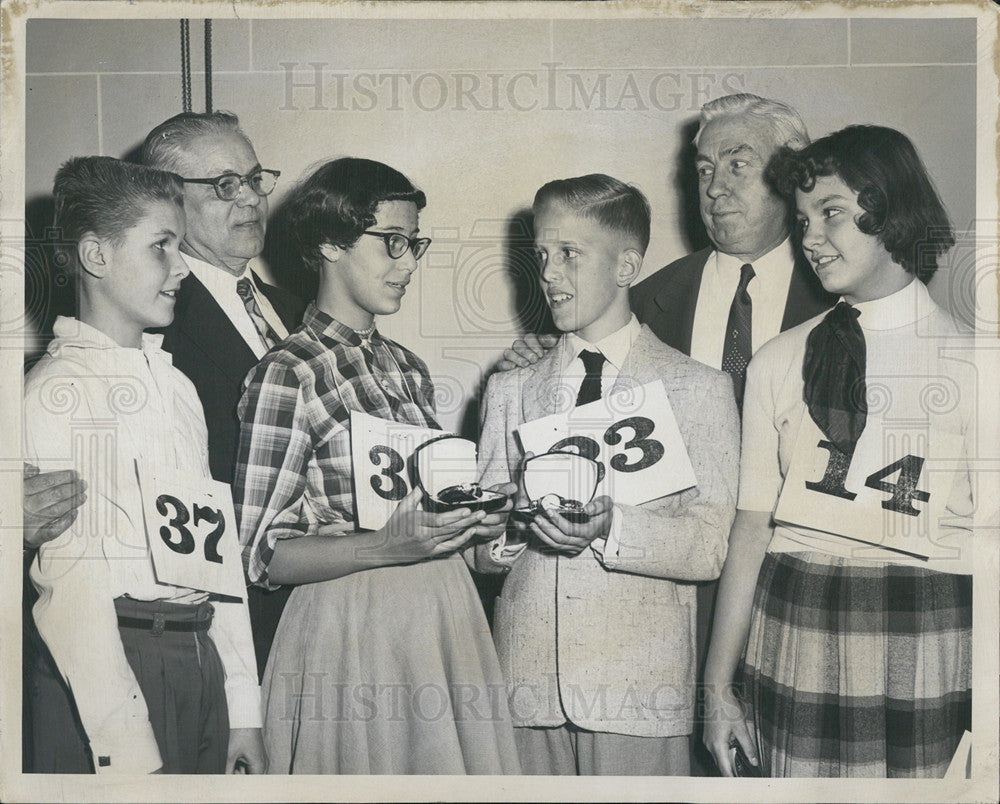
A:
(855, 629)
(383, 661)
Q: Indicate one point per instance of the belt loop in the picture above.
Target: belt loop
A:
(159, 621)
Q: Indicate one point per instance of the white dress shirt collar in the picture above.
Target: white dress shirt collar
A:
(217, 281)
(615, 347)
(73, 333)
(221, 285)
(771, 271)
(768, 291)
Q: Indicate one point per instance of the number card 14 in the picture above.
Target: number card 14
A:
(891, 492)
(192, 533)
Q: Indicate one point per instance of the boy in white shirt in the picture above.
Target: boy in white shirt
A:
(163, 680)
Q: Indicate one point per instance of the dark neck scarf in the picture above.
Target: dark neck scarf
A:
(834, 375)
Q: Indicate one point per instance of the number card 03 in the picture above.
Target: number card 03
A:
(892, 492)
(633, 435)
(380, 455)
(192, 533)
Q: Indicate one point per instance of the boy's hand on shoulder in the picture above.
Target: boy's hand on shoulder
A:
(564, 537)
(246, 752)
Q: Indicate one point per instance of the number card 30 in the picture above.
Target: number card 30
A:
(192, 533)
(380, 455)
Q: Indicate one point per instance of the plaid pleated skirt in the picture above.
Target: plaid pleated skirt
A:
(858, 669)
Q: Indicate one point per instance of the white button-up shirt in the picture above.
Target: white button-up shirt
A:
(95, 406)
(768, 292)
(222, 285)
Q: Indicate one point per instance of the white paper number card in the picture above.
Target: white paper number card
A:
(380, 458)
(191, 530)
(633, 435)
(891, 492)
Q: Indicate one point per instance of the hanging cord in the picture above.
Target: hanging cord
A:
(186, 65)
(208, 66)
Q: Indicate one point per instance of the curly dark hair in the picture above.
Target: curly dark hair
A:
(337, 202)
(880, 164)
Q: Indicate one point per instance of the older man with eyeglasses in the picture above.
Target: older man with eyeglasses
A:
(225, 317)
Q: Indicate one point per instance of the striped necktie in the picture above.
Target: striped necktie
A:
(245, 290)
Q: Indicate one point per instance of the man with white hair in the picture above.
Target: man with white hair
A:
(225, 317)
(722, 303)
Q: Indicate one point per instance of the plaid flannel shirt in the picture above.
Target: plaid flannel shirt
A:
(293, 465)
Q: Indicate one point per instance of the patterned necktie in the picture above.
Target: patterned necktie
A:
(833, 373)
(590, 389)
(245, 291)
(738, 348)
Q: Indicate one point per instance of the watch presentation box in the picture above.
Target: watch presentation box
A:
(445, 470)
(559, 483)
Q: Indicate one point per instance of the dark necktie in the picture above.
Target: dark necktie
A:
(590, 388)
(738, 348)
(245, 291)
(833, 373)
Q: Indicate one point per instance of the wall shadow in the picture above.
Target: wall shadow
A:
(282, 255)
(531, 315)
(531, 311)
(49, 277)
(686, 187)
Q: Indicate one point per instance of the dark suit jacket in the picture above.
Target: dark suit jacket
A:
(665, 301)
(208, 349)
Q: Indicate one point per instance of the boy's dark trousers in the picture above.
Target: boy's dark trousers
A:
(182, 679)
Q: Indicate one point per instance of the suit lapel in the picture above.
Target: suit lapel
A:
(203, 322)
(635, 370)
(677, 301)
(540, 394)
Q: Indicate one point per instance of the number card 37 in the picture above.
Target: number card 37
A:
(192, 533)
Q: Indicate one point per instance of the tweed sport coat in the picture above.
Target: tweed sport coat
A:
(612, 650)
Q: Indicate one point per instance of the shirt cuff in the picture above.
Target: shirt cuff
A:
(243, 700)
(607, 549)
(503, 553)
(129, 750)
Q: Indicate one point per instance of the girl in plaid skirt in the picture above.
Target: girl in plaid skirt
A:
(856, 655)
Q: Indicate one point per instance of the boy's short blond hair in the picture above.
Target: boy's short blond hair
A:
(619, 207)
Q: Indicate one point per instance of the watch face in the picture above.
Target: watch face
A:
(742, 764)
(559, 483)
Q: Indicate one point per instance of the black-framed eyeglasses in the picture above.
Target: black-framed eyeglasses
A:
(396, 244)
(227, 186)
